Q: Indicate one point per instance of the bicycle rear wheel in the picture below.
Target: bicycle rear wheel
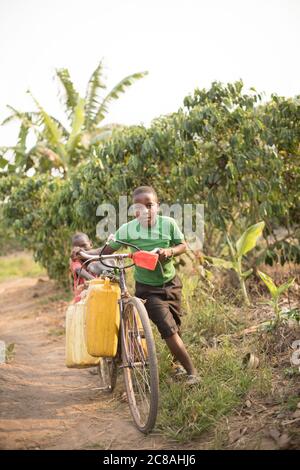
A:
(140, 365)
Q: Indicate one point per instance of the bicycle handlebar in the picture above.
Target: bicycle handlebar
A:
(140, 258)
(143, 259)
(87, 256)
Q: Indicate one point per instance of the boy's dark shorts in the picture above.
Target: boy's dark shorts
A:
(163, 304)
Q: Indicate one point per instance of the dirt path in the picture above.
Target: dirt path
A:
(44, 405)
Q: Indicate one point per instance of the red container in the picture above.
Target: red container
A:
(145, 259)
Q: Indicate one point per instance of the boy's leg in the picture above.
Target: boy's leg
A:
(178, 349)
(163, 307)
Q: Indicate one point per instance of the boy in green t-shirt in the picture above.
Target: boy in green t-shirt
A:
(160, 288)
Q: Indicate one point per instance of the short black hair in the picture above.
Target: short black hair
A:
(77, 238)
(144, 189)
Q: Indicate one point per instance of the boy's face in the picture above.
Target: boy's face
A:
(146, 208)
(85, 243)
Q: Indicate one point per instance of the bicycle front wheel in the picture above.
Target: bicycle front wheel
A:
(140, 365)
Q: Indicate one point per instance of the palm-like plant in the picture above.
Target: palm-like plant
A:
(275, 292)
(58, 146)
(238, 250)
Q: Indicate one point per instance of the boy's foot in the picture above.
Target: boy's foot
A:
(178, 370)
(192, 380)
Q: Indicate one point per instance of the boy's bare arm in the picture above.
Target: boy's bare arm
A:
(108, 250)
(94, 251)
(165, 253)
(84, 274)
(179, 249)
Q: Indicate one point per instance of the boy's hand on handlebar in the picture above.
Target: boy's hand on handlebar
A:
(75, 252)
(164, 254)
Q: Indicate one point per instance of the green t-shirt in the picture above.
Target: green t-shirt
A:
(164, 234)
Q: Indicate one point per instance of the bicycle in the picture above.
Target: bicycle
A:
(136, 352)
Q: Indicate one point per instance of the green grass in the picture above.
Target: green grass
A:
(291, 403)
(10, 352)
(19, 265)
(64, 295)
(56, 332)
(205, 315)
(185, 413)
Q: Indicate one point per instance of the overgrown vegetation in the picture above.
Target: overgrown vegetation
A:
(10, 352)
(223, 148)
(213, 329)
(209, 332)
(238, 250)
(57, 145)
(275, 292)
(19, 265)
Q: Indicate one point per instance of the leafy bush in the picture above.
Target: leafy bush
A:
(224, 148)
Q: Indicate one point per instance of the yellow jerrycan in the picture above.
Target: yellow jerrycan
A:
(102, 317)
(76, 352)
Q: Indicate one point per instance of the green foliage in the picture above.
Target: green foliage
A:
(56, 146)
(10, 352)
(243, 245)
(224, 148)
(249, 239)
(275, 292)
(37, 211)
(8, 241)
(69, 94)
(206, 317)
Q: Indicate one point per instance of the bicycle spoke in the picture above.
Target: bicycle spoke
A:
(140, 371)
(138, 365)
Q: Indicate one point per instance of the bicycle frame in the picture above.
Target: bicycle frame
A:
(134, 335)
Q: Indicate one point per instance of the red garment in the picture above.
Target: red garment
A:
(76, 264)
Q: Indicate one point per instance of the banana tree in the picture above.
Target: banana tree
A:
(237, 251)
(275, 292)
(59, 146)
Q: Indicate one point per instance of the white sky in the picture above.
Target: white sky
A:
(182, 43)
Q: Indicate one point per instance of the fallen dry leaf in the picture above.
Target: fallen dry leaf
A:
(296, 414)
(275, 434)
(236, 435)
(282, 440)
